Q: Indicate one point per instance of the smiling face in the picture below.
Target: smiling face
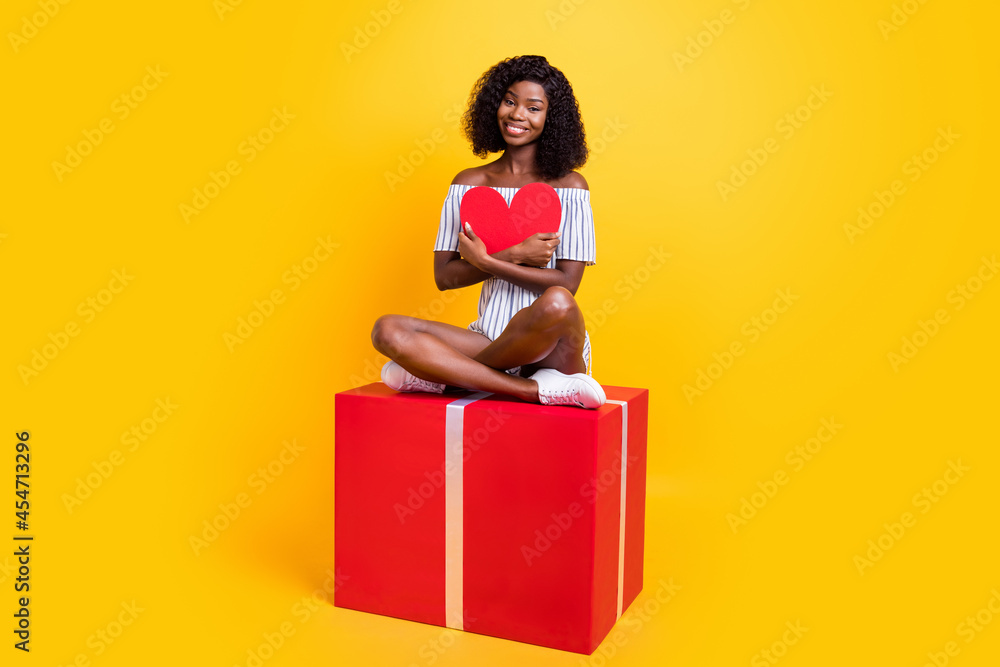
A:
(522, 113)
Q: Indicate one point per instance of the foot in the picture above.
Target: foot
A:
(398, 378)
(579, 389)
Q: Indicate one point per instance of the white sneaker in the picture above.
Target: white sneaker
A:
(398, 378)
(555, 388)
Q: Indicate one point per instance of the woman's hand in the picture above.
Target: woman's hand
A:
(536, 250)
(471, 247)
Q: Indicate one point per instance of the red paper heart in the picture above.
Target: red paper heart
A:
(535, 208)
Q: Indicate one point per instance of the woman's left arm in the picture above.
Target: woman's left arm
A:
(567, 273)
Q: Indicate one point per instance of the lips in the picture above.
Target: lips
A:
(516, 130)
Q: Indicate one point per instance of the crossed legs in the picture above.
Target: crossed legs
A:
(547, 334)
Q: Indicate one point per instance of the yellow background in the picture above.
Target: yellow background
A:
(663, 136)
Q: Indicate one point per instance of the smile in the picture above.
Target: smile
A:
(513, 129)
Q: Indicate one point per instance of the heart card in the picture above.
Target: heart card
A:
(535, 208)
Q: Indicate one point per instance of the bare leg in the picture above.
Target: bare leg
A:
(547, 334)
(443, 353)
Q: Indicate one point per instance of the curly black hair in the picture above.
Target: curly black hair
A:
(562, 146)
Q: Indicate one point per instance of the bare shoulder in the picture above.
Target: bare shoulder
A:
(470, 176)
(573, 179)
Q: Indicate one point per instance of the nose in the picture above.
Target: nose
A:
(517, 113)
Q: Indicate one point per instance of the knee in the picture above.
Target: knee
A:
(557, 305)
(387, 334)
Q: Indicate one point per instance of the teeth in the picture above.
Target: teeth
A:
(516, 130)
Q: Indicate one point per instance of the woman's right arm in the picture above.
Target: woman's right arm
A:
(450, 270)
(453, 272)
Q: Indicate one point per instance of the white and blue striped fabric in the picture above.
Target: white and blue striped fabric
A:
(499, 299)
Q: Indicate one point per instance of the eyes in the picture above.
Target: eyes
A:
(510, 102)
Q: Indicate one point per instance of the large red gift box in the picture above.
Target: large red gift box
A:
(491, 515)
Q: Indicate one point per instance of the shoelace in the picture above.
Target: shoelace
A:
(563, 396)
(413, 382)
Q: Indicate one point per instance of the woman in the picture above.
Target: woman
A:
(529, 340)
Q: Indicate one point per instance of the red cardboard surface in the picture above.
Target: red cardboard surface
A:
(534, 208)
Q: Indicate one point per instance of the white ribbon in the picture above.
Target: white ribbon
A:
(621, 515)
(454, 536)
